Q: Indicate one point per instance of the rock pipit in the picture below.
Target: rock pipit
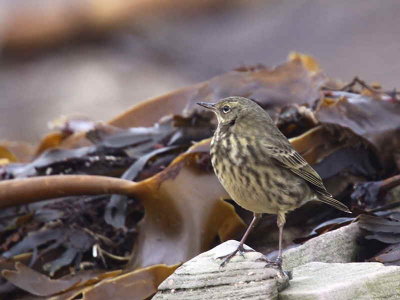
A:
(258, 166)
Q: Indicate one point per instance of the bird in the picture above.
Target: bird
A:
(259, 168)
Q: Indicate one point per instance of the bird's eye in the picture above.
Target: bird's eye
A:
(226, 109)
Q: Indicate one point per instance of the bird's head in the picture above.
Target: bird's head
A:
(231, 109)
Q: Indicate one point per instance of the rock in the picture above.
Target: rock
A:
(343, 281)
(248, 278)
(338, 246)
(243, 277)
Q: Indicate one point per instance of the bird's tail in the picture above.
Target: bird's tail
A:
(333, 202)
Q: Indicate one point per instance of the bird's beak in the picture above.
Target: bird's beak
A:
(207, 105)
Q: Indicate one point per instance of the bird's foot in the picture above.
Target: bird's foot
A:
(270, 263)
(227, 258)
(278, 261)
(276, 264)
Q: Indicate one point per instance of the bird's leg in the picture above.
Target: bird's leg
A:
(240, 248)
(280, 222)
(278, 262)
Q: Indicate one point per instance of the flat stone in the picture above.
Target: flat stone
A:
(337, 281)
(337, 246)
(241, 278)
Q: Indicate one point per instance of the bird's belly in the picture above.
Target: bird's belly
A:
(265, 191)
(258, 186)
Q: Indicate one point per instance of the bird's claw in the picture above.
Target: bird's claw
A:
(229, 256)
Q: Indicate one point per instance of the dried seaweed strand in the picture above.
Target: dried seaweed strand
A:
(28, 190)
(357, 80)
(385, 186)
(390, 183)
(385, 207)
(349, 86)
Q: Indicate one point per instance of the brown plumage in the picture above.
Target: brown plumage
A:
(258, 166)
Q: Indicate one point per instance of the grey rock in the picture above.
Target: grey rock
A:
(248, 277)
(337, 281)
(242, 278)
(337, 246)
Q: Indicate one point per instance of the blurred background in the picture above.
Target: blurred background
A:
(96, 58)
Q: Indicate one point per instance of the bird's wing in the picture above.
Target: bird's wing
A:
(291, 159)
